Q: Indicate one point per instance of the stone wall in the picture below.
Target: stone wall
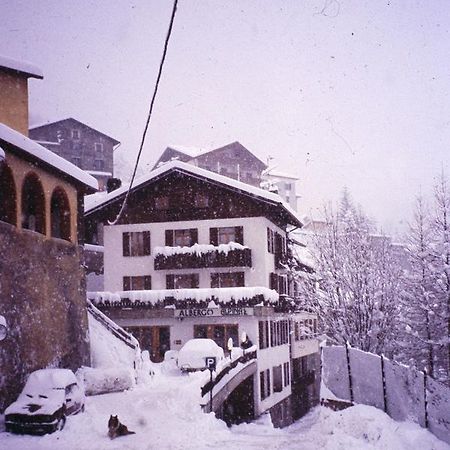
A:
(42, 296)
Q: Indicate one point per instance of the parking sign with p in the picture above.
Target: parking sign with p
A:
(210, 362)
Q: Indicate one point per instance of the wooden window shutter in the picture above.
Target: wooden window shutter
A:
(147, 282)
(194, 235)
(126, 244)
(126, 284)
(214, 236)
(268, 241)
(170, 281)
(169, 238)
(239, 235)
(215, 280)
(274, 281)
(147, 247)
(195, 281)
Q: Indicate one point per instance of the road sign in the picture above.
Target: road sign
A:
(210, 362)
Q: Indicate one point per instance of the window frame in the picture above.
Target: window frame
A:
(128, 250)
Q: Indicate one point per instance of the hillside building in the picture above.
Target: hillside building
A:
(197, 254)
(83, 146)
(42, 288)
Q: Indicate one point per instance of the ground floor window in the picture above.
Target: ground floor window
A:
(218, 333)
(154, 339)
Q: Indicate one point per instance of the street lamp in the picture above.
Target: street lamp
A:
(3, 328)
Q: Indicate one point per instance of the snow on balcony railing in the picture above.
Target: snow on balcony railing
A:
(203, 255)
(199, 249)
(210, 297)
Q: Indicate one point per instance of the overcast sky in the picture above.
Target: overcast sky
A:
(340, 93)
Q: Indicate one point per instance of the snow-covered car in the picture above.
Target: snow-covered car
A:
(48, 397)
(193, 353)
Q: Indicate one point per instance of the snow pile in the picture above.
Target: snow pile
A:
(107, 351)
(193, 353)
(199, 249)
(223, 295)
(102, 381)
(112, 362)
(165, 415)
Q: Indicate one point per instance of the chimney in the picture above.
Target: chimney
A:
(14, 88)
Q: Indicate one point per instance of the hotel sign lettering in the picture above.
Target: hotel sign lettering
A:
(213, 312)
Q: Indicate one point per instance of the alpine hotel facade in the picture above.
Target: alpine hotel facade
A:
(200, 255)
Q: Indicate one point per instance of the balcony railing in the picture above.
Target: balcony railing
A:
(202, 256)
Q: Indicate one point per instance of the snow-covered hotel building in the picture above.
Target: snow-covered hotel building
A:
(198, 254)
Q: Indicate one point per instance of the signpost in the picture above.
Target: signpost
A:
(210, 363)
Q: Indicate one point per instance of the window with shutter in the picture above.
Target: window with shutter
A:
(213, 236)
(137, 283)
(181, 238)
(136, 243)
(170, 281)
(227, 279)
(169, 238)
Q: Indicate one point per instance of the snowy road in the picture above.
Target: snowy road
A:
(164, 414)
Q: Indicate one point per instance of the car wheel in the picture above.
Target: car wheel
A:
(61, 423)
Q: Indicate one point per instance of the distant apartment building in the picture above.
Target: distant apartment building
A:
(87, 148)
(235, 161)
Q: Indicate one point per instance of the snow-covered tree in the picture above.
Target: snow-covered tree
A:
(417, 343)
(441, 266)
(426, 298)
(358, 280)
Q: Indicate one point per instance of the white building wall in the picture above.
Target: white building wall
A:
(255, 237)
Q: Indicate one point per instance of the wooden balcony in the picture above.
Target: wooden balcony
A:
(215, 258)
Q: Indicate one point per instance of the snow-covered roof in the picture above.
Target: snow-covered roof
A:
(273, 172)
(41, 153)
(47, 143)
(47, 123)
(96, 201)
(21, 66)
(99, 173)
(193, 152)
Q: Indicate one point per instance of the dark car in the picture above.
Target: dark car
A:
(48, 397)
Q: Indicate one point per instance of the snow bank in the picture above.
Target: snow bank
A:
(102, 381)
(107, 351)
(113, 362)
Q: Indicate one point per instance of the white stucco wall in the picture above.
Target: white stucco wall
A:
(255, 236)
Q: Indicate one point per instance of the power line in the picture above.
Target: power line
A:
(155, 91)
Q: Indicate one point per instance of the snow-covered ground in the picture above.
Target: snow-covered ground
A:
(165, 414)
